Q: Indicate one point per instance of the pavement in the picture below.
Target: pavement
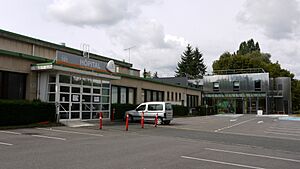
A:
(214, 142)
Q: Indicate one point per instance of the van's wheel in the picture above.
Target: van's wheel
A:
(167, 122)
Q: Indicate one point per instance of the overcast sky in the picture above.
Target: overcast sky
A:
(159, 30)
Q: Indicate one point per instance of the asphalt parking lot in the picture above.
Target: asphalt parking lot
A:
(195, 142)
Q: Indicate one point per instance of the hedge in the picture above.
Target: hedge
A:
(180, 110)
(22, 112)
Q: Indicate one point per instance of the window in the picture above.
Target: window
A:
(114, 95)
(97, 83)
(12, 85)
(168, 96)
(236, 86)
(168, 106)
(87, 81)
(172, 96)
(155, 107)
(176, 96)
(76, 80)
(279, 87)
(148, 94)
(154, 94)
(257, 85)
(179, 96)
(64, 79)
(123, 95)
(216, 86)
(131, 96)
(141, 108)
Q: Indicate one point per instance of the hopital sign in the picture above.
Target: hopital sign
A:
(79, 61)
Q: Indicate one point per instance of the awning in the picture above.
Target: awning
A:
(52, 66)
(233, 95)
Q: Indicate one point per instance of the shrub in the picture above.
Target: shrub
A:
(22, 112)
(180, 110)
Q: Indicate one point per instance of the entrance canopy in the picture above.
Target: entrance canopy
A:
(53, 66)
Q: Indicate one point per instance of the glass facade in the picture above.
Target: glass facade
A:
(79, 97)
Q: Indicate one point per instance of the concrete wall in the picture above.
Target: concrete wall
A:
(140, 85)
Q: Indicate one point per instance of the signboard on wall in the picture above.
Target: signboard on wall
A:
(79, 61)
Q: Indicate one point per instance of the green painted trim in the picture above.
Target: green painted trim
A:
(157, 82)
(54, 46)
(24, 56)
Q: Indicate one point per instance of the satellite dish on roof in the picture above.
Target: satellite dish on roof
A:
(110, 66)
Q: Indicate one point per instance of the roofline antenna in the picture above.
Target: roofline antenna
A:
(129, 51)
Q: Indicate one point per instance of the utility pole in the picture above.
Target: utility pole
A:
(129, 51)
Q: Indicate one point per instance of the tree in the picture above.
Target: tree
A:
(200, 67)
(191, 64)
(248, 47)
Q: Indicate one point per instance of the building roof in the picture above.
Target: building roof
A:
(54, 46)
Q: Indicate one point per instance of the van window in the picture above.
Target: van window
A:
(155, 107)
(141, 108)
(168, 106)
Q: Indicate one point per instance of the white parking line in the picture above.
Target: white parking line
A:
(71, 132)
(6, 144)
(285, 128)
(257, 135)
(221, 162)
(55, 138)
(256, 155)
(234, 125)
(10, 132)
(286, 134)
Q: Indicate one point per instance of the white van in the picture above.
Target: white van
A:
(150, 109)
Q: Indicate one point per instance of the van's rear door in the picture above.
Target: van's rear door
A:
(168, 111)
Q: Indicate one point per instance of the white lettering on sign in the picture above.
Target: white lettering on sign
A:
(89, 63)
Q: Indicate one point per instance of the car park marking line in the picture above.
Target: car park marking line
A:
(6, 144)
(283, 128)
(260, 122)
(71, 132)
(256, 135)
(227, 127)
(256, 155)
(10, 132)
(284, 131)
(221, 162)
(287, 134)
(55, 138)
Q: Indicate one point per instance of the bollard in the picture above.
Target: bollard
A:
(112, 115)
(156, 119)
(127, 117)
(100, 121)
(142, 120)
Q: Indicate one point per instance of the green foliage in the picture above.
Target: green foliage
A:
(248, 47)
(191, 64)
(20, 112)
(249, 56)
(296, 94)
(180, 110)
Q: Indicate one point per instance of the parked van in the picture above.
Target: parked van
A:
(150, 109)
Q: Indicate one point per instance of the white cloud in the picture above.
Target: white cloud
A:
(155, 50)
(277, 19)
(95, 12)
